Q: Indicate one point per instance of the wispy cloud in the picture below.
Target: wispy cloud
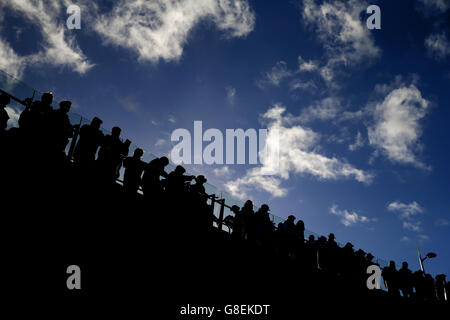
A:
(172, 119)
(59, 48)
(129, 103)
(223, 171)
(438, 45)
(343, 34)
(324, 109)
(407, 214)
(231, 94)
(276, 75)
(159, 29)
(359, 142)
(407, 210)
(298, 154)
(396, 127)
(349, 218)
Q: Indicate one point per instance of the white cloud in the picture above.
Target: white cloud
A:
(359, 142)
(231, 94)
(10, 62)
(438, 45)
(407, 213)
(14, 115)
(160, 142)
(423, 237)
(172, 119)
(297, 155)
(405, 239)
(298, 84)
(159, 29)
(325, 109)
(349, 218)
(222, 171)
(59, 48)
(276, 75)
(407, 210)
(129, 103)
(343, 34)
(306, 66)
(396, 129)
(412, 225)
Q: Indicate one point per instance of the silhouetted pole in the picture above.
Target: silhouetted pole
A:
(222, 208)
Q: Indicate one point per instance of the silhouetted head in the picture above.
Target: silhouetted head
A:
(138, 153)
(96, 123)
(265, 208)
(349, 246)
(331, 237)
(405, 265)
(280, 226)
(392, 264)
(235, 209)
(47, 98)
(248, 204)
(127, 143)
(369, 257)
(311, 238)
(180, 170)
(65, 106)
(201, 179)
(115, 132)
(4, 99)
(164, 161)
(291, 218)
(300, 224)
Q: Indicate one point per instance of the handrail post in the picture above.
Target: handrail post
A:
(222, 208)
(74, 141)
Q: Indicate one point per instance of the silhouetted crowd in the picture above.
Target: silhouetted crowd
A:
(43, 136)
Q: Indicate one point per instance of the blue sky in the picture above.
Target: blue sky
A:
(362, 113)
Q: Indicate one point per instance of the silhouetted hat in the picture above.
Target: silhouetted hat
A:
(291, 217)
(96, 120)
(265, 207)
(66, 104)
(201, 179)
(234, 208)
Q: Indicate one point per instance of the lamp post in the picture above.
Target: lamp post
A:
(421, 260)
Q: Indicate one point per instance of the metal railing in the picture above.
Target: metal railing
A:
(221, 201)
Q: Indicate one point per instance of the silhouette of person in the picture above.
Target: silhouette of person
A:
(4, 117)
(110, 155)
(176, 181)
(198, 189)
(134, 167)
(390, 276)
(419, 284)
(248, 217)
(429, 289)
(151, 183)
(60, 126)
(90, 139)
(405, 281)
(238, 223)
(263, 224)
(440, 287)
